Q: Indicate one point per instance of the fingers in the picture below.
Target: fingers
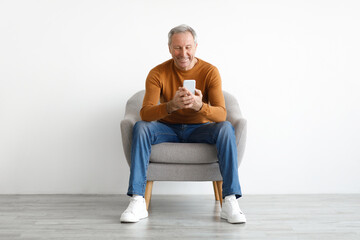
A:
(184, 91)
(185, 99)
(187, 102)
(198, 92)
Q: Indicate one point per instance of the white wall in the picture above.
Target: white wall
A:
(67, 68)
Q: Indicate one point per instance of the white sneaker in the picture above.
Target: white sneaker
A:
(135, 211)
(231, 210)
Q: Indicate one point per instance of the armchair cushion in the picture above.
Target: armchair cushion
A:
(183, 153)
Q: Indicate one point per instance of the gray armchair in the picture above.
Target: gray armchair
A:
(191, 162)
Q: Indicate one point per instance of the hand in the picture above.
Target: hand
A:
(184, 99)
(198, 103)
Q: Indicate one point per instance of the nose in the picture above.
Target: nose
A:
(183, 52)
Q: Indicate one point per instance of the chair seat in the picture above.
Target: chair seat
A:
(184, 153)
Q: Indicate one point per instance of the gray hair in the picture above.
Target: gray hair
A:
(181, 29)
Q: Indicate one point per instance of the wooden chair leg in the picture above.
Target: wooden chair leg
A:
(216, 191)
(148, 191)
(219, 187)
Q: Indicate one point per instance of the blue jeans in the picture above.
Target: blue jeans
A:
(146, 134)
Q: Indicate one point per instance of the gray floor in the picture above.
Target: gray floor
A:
(179, 217)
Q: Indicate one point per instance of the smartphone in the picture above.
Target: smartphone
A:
(190, 85)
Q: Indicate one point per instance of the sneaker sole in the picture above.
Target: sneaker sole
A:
(223, 216)
(133, 220)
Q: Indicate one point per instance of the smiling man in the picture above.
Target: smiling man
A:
(182, 116)
(182, 48)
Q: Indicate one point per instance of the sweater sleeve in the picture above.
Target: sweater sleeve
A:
(151, 109)
(214, 109)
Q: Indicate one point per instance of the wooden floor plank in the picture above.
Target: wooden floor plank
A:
(179, 217)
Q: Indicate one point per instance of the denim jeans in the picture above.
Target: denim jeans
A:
(146, 134)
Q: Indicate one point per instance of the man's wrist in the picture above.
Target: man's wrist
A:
(169, 107)
(202, 104)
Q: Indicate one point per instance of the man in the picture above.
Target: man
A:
(183, 117)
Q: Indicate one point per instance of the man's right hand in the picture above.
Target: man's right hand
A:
(182, 99)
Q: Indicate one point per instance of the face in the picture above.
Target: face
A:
(183, 50)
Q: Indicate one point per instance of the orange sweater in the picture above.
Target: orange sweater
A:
(164, 80)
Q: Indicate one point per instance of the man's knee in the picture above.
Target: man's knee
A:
(225, 130)
(141, 127)
(225, 126)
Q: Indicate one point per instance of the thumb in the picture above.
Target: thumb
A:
(198, 92)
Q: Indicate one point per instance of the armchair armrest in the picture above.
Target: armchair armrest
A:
(240, 126)
(126, 126)
(239, 123)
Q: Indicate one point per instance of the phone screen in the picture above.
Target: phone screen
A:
(190, 85)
